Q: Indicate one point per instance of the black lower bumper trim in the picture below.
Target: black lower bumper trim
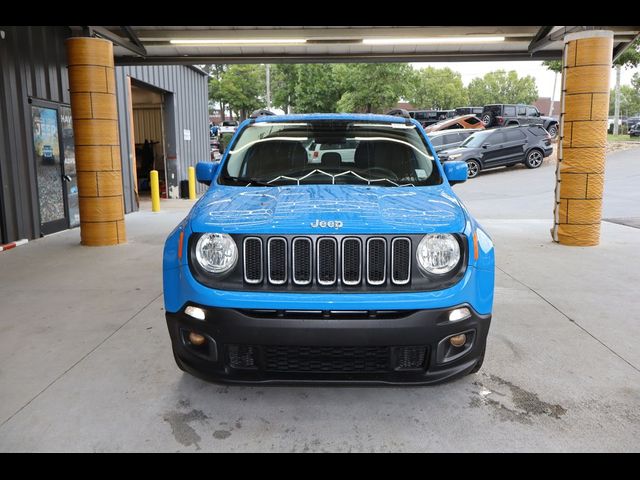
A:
(251, 347)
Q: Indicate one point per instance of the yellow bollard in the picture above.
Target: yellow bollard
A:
(192, 183)
(155, 191)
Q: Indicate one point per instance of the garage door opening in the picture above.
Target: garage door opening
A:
(148, 110)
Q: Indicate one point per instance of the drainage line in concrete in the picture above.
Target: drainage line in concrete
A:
(573, 321)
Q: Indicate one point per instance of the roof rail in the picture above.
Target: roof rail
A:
(399, 112)
(261, 113)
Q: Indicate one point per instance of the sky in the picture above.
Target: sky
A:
(544, 78)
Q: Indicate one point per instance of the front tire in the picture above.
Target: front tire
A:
(473, 168)
(553, 130)
(534, 159)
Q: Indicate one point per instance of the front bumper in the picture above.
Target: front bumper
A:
(293, 346)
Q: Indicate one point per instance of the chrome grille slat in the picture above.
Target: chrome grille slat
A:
(302, 261)
(376, 261)
(277, 260)
(351, 261)
(400, 260)
(327, 260)
(253, 263)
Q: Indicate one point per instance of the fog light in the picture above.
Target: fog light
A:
(458, 340)
(195, 312)
(196, 339)
(459, 314)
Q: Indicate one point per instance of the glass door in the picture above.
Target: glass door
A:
(69, 168)
(49, 163)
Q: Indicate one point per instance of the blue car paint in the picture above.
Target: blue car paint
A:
(362, 209)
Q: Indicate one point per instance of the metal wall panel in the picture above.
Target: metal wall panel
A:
(33, 64)
(186, 97)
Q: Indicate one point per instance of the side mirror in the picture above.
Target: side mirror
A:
(455, 171)
(205, 171)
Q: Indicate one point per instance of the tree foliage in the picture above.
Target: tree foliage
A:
(317, 88)
(502, 87)
(438, 88)
(553, 65)
(629, 101)
(372, 87)
(284, 78)
(243, 88)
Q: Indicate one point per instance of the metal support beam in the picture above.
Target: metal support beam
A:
(620, 49)
(341, 58)
(134, 38)
(543, 32)
(547, 38)
(118, 40)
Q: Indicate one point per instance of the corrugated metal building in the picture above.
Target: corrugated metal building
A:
(175, 109)
(37, 160)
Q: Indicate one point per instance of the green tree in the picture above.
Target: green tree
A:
(438, 88)
(502, 87)
(373, 87)
(630, 58)
(243, 88)
(629, 101)
(284, 78)
(215, 72)
(553, 65)
(635, 82)
(317, 88)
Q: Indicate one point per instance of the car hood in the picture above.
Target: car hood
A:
(454, 151)
(360, 209)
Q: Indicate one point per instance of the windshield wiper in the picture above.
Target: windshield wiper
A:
(248, 181)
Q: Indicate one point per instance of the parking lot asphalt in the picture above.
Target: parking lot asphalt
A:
(86, 364)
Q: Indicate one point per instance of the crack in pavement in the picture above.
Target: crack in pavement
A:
(571, 320)
(81, 359)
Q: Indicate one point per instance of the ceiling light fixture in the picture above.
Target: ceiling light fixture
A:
(238, 41)
(431, 40)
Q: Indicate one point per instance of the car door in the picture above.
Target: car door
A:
(493, 149)
(450, 140)
(437, 143)
(521, 113)
(514, 145)
(533, 116)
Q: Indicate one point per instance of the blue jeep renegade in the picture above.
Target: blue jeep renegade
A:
(329, 248)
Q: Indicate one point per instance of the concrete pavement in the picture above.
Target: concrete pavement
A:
(86, 365)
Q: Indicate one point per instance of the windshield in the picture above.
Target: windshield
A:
(476, 139)
(330, 152)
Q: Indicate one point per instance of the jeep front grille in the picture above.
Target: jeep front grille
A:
(324, 261)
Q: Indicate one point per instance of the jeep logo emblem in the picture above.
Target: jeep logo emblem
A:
(329, 224)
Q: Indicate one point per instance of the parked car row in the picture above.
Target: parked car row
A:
(490, 148)
(489, 116)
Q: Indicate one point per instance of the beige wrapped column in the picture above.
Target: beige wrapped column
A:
(583, 137)
(95, 126)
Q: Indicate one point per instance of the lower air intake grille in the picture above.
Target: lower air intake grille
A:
(410, 358)
(325, 359)
(242, 356)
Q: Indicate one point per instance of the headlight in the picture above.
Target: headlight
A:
(438, 253)
(216, 252)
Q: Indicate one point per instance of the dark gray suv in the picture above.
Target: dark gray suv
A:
(505, 115)
(502, 147)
